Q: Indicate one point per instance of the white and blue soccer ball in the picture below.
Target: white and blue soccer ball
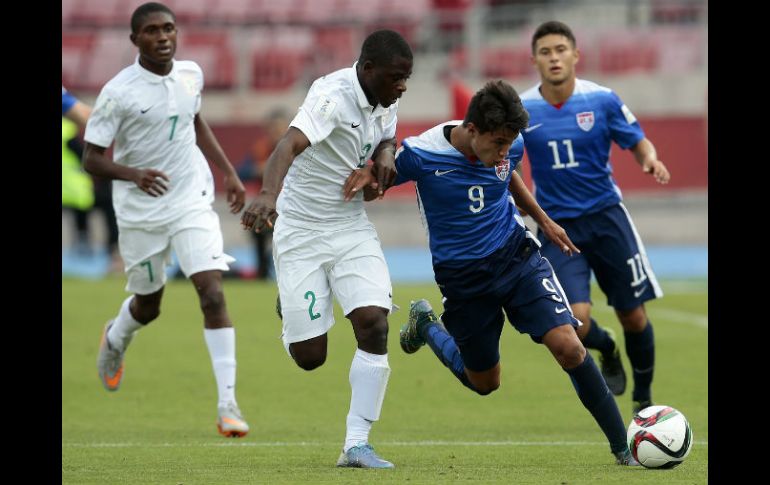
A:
(659, 437)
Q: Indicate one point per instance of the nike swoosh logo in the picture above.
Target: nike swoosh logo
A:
(146, 110)
(532, 128)
(353, 125)
(232, 421)
(637, 294)
(216, 257)
(561, 310)
(439, 173)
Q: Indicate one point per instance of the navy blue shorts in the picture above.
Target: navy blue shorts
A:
(611, 247)
(515, 279)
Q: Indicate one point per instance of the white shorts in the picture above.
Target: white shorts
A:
(310, 265)
(196, 238)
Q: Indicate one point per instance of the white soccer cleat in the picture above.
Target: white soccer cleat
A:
(109, 363)
(230, 423)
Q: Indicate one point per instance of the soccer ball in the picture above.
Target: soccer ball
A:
(659, 437)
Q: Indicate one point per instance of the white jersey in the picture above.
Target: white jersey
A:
(343, 130)
(151, 120)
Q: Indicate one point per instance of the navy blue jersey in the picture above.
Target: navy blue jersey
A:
(467, 208)
(569, 148)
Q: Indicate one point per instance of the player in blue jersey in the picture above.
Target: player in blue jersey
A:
(486, 261)
(573, 122)
(74, 109)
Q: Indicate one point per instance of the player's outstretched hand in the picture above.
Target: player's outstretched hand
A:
(260, 214)
(360, 179)
(658, 170)
(559, 237)
(236, 193)
(151, 181)
(384, 170)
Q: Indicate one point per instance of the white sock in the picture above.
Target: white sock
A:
(124, 327)
(221, 344)
(368, 381)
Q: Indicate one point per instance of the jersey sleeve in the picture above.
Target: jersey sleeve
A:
(407, 164)
(516, 152)
(105, 119)
(67, 101)
(200, 80)
(317, 117)
(624, 128)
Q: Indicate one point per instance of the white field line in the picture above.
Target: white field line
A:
(279, 444)
(697, 319)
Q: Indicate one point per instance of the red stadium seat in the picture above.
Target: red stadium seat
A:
(95, 12)
(213, 52)
(75, 53)
(112, 52)
(624, 52)
(280, 56)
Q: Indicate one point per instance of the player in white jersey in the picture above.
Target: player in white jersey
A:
(323, 243)
(163, 190)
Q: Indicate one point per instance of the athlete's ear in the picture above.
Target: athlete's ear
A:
(577, 55)
(133, 38)
(471, 128)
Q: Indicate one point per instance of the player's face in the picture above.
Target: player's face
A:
(388, 83)
(156, 40)
(492, 147)
(555, 58)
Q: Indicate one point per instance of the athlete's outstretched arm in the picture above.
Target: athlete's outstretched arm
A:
(96, 163)
(555, 232)
(261, 211)
(384, 169)
(207, 142)
(647, 157)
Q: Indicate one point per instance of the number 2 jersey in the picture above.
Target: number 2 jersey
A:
(569, 148)
(467, 208)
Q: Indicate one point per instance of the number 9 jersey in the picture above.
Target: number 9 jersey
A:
(467, 208)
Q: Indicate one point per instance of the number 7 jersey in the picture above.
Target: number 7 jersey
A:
(467, 208)
(150, 118)
(569, 148)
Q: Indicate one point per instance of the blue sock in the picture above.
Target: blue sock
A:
(640, 348)
(443, 345)
(598, 338)
(596, 397)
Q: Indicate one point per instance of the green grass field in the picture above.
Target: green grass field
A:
(159, 428)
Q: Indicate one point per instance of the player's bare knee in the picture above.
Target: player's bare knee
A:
(633, 320)
(487, 388)
(145, 314)
(371, 330)
(309, 361)
(571, 355)
(212, 300)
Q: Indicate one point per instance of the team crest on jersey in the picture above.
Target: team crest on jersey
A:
(502, 169)
(585, 120)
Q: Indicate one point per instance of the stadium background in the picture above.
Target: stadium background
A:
(259, 55)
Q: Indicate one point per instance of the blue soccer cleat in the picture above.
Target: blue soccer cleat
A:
(639, 405)
(410, 335)
(625, 458)
(362, 456)
(612, 368)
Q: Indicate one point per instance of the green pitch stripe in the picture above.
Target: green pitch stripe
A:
(278, 444)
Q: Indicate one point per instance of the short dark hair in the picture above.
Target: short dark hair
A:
(496, 106)
(382, 46)
(553, 27)
(146, 9)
